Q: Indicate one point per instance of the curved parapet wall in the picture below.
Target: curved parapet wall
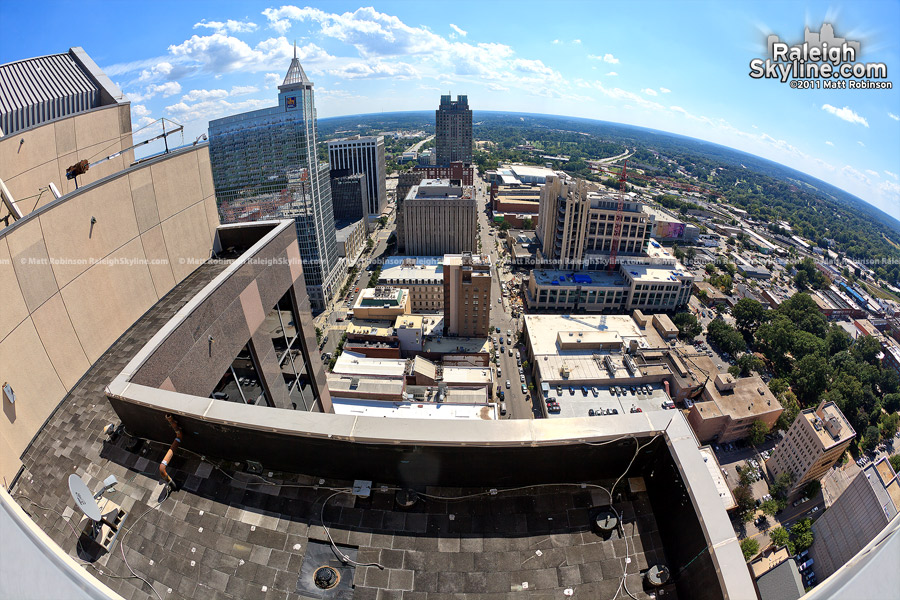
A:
(76, 273)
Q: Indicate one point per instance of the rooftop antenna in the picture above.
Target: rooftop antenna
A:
(295, 49)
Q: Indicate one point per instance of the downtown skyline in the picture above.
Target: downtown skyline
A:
(677, 68)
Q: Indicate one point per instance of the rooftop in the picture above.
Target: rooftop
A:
(401, 269)
(749, 397)
(600, 279)
(416, 410)
(830, 425)
(781, 583)
(351, 363)
(718, 477)
(656, 273)
(544, 331)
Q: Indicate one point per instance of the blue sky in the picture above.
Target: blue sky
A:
(679, 67)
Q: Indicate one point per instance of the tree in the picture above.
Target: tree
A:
(809, 377)
(750, 547)
(688, 325)
(382, 221)
(748, 363)
(318, 335)
(778, 386)
(748, 315)
(505, 226)
(811, 489)
(757, 432)
(891, 402)
(866, 348)
(871, 438)
(710, 268)
(746, 478)
(770, 507)
(802, 535)
(780, 537)
(369, 244)
(725, 337)
(528, 224)
(744, 498)
(781, 487)
(888, 424)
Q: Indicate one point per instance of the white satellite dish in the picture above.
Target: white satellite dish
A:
(84, 498)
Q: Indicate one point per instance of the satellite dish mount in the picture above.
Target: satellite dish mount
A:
(103, 520)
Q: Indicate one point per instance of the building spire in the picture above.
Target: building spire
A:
(295, 74)
(295, 49)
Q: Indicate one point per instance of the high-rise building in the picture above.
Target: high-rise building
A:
(467, 295)
(265, 166)
(349, 195)
(859, 514)
(363, 155)
(576, 222)
(813, 443)
(439, 218)
(405, 182)
(453, 131)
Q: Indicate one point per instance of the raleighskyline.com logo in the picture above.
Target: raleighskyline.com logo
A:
(821, 61)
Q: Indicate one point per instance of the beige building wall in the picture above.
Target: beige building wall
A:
(436, 226)
(467, 296)
(69, 287)
(31, 159)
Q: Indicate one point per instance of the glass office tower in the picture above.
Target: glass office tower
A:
(264, 166)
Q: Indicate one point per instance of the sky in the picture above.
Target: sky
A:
(682, 67)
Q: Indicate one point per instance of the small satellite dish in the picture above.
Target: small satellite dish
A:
(84, 498)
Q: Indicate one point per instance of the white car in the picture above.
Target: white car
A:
(499, 300)
(507, 384)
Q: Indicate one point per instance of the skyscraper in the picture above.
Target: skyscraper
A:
(453, 131)
(264, 166)
(467, 294)
(363, 155)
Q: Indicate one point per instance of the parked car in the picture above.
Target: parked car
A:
(524, 389)
(507, 384)
(502, 409)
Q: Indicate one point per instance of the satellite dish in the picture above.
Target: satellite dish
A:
(84, 498)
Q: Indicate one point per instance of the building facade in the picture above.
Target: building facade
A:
(576, 224)
(349, 196)
(457, 172)
(421, 276)
(859, 514)
(363, 155)
(726, 408)
(439, 218)
(453, 131)
(813, 443)
(351, 239)
(265, 166)
(467, 295)
(405, 182)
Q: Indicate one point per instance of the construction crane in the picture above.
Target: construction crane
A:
(82, 167)
(617, 225)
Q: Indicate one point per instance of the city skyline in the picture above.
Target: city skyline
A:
(212, 61)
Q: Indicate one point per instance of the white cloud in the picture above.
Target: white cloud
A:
(458, 30)
(229, 25)
(556, 42)
(375, 70)
(576, 41)
(144, 121)
(665, 90)
(167, 89)
(891, 174)
(893, 116)
(678, 109)
(612, 74)
(860, 143)
(273, 79)
(139, 110)
(211, 109)
(242, 90)
(854, 174)
(827, 143)
(650, 92)
(607, 58)
(203, 95)
(157, 71)
(219, 53)
(872, 173)
(845, 114)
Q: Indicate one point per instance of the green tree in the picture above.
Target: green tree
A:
(528, 224)
(871, 438)
(781, 487)
(769, 507)
(811, 489)
(710, 268)
(318, 335)
(382, 221)
(744, 498)
(791, 409)
(809, 377)
(748, 363)
(778, 386)
(369, 244)
(866, 348)
(748, 315)
(730, 267)
(688, 325)
(802, 535)
(750, 547)
(725, 337)
(757, 433)
(780, 538)
(505, 225)
(891, 402)
(746, 478)
(888, 424)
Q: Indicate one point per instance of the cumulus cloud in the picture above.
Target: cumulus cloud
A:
(458, 30)
(891, 174)
(846, 114)
(854, 174)
(165, 90)
(893, 116)
(157, 71)
(665, 90)
(241, 90)
(827, 143)
(273, 79)
(210, 109)
(612, 74)
(229, 25)
(139, 110)
(872, 173)
(650, 92)
(203, 95)
(607, 58)
(375, 70)
(219, 53)
(860, 143)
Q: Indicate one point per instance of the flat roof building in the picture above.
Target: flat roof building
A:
(439, 218)
(363, 154)
(812, 444)
(467, 295)
(349, 195)
(727, 408)
(422, 276)
(453, 131)
(381, 302)
(351, 239)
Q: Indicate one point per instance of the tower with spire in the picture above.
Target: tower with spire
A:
(265, 166)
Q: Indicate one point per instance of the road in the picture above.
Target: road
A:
(518, 405)
(415, 147)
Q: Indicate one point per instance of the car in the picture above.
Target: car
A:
(219, 396)
(498, 330)
(559, 390)
(508, 333)
(633, 392)
(524, 389)
(502, 409)
(590, 412)
(501, 340)
(507, 384)
(499, 371)
(571, 390)
(584, 390)
(814, 509)
(499, 300)
(518, 356)
(339, 319)
(594, 391)
(356, 290)
(614, 411)
(522, 377)
(510, 351)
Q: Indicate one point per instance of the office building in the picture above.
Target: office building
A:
(812, 444)
(439, 218)
(458, 173)
(665, 227)
(467, 295)
(349, 196)
(421, 276)
(363, 155)
(576, 224)
(727, 407)
(860, 513)
(405, 182)
(453, 131)
(351, 239)
(381, 302)
(265, 166)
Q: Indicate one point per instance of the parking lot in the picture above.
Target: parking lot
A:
(583, 401)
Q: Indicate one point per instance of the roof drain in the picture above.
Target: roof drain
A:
(171, 452)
